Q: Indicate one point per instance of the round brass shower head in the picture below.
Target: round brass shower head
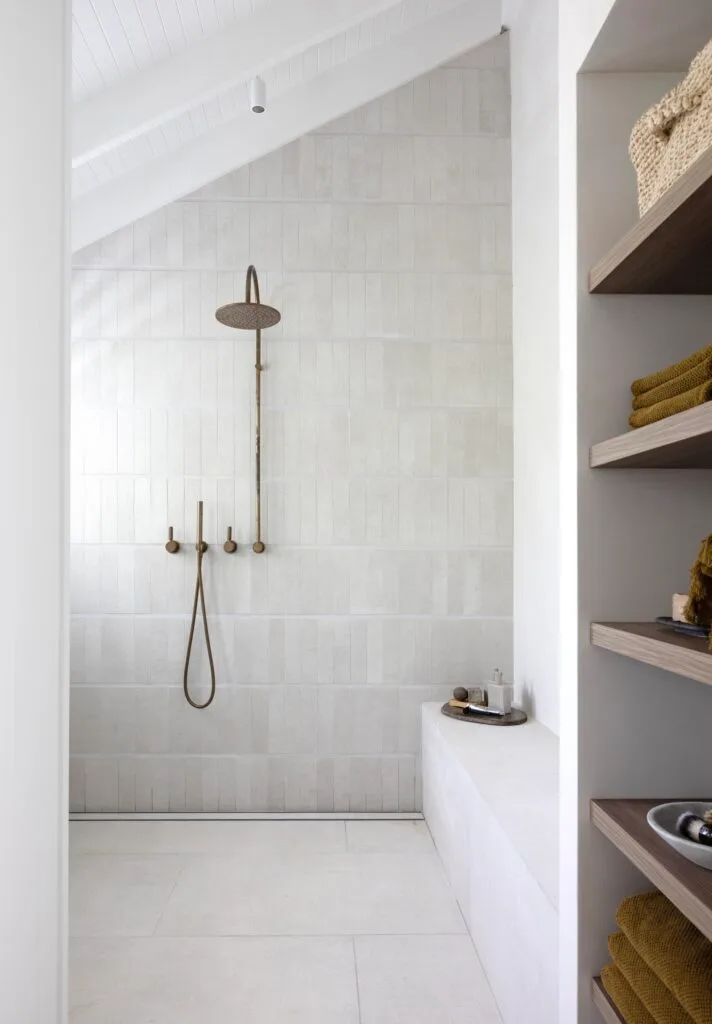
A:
(248, 316)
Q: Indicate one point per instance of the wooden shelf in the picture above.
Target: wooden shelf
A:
(685, 884)
(669, 250)
(604, 1004)
(683, 441)
(655, 645)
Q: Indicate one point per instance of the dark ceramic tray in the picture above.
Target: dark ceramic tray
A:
(688, 628)
(515, 717)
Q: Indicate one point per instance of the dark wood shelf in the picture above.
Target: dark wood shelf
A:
(604, 1004)
(655, 645)
(685, 884)
(683, 441)
(669, 250)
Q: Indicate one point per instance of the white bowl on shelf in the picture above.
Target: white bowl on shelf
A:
(663, 820)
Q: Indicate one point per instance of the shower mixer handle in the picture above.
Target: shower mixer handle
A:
(230, 546)
(172, 546)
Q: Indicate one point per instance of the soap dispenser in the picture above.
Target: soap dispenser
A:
(499, 693)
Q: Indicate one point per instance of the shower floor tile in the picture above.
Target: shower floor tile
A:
(422, 979)
(267, 922)
(241, 838)
(213, 981)
(330, 894)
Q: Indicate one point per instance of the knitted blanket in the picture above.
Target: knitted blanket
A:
(627, 1002)
(673, 949)
(658, 1000)
(661, 410)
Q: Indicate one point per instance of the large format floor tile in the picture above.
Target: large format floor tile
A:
(238, 838)
(267, 923)
(389, 837)
(331, 894)
(213, 981)
(120, 895)
(422, 979)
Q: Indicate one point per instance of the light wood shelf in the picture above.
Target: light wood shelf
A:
(669, 250)
(683, 441)
(685, 884)
(604, 1004)
(655, 645)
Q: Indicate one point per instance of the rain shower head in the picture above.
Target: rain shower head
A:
(249, 315)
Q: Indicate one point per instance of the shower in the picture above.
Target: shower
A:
(253, 316)
(247, 316)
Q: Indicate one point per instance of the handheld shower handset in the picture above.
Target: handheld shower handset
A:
(199, 595)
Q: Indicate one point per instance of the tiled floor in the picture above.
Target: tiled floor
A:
(284, 922)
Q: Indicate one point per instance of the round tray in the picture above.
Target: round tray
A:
(515, 717)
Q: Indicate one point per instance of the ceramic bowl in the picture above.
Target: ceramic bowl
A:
(663, 818)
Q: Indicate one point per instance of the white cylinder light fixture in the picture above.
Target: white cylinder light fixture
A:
(258, 95)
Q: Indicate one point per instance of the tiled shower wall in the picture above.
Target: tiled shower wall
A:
(385, 241)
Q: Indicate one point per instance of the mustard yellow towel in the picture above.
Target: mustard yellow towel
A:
(654, 380)
(699, 374)
(627, 1002)
(658, 1000)
(660, 411)
(672, 948)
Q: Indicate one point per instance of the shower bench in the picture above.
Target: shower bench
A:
(490, 797)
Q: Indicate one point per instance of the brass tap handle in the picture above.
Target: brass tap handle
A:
(172, 546)
(229, 547)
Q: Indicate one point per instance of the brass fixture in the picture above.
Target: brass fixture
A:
(201, 547)
(172, 546)
(253, 316)
(230, 547)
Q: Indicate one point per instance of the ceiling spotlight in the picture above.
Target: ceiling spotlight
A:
(258, 95)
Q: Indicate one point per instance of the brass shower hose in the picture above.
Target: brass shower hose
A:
(201, 547)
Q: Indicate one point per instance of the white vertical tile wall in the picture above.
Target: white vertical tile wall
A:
(384, 239)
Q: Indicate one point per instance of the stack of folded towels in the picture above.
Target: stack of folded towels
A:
(679, 387)
(662, 965)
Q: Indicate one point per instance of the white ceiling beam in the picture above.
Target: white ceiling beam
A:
(295, 113)
(273, 35)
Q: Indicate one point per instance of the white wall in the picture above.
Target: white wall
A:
(385, 241)
(535, 139)
(34, 260)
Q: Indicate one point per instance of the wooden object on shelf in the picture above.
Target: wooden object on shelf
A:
(685, 884)
(669, 250)
(604, 1004)
(656, 645)
(683, 441)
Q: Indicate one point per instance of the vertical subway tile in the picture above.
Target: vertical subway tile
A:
(385, 241)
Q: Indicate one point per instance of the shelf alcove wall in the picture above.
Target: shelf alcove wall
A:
(627, 729)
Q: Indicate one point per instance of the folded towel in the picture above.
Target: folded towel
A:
(657, 999)
(699, 374)
(654, 380)
(660, 411)
(672, 948)
(631, 1009)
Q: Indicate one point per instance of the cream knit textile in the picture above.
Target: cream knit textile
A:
(670, 136)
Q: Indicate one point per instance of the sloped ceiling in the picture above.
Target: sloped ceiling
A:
(160, 86)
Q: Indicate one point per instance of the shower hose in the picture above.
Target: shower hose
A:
(199, 595)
